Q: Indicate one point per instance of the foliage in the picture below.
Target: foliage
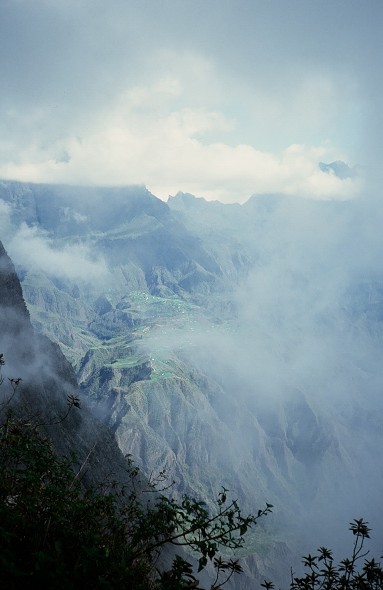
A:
(354, 573)
(55, 533)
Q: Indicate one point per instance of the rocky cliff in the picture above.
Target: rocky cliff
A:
(47, 380)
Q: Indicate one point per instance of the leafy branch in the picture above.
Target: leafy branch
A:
(56, 532)
(322, 573)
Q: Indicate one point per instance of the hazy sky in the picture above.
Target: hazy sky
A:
(221, 98)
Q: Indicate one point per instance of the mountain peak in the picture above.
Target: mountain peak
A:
(186, 199)
(338, 168)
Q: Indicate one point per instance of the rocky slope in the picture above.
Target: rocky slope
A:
(47, 380)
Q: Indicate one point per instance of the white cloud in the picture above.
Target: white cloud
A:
(32, 248)
(186, 97)
(142, 140)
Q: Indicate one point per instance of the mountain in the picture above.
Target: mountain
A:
(339, 168)
(134, 230)
(35, 411)
(230, 345)
(47, 380)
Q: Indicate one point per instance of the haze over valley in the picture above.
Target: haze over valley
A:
(248, 359)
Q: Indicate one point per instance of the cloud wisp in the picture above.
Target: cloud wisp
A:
(33, 249)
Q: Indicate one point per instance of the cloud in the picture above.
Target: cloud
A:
(33, 249)
(186, 96)
(143, 141)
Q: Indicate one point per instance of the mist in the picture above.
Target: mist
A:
(260, 371)
(302, 357)
(32, 247)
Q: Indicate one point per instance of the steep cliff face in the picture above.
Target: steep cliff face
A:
(14, 316)
(47, 380)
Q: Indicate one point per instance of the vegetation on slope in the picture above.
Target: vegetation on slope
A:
(56, 533)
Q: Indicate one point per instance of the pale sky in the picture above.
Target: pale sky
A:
(220, 98)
